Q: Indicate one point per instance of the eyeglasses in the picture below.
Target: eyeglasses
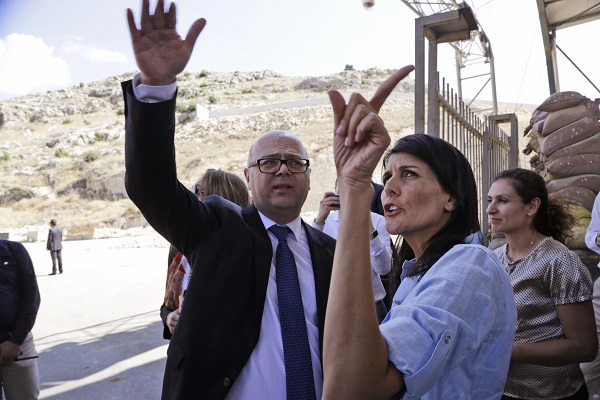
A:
(273, 165)
(198, 190)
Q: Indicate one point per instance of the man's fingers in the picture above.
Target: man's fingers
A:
(158, 21)
(193, 33)
(339, 105)
(171, 17)
(386, 88)
(146, 20)
(133, 31)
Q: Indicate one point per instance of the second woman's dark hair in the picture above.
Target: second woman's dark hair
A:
(455, 175)
(552, 218)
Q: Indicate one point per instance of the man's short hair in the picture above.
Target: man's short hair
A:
(53, 222)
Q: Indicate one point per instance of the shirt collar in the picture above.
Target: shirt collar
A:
(295, 225)
(407, 267)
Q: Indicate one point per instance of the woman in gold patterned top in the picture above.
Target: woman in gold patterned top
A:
(553, 290)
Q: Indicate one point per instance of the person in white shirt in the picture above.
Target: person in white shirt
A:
(591, 370)
(328, 221)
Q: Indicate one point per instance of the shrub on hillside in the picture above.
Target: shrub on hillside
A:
(91, 156)
(60, 153)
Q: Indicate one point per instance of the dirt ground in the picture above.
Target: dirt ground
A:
(98, 331)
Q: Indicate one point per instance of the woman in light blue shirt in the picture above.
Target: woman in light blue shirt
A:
(449, 332)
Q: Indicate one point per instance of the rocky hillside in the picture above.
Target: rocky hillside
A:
(62, 152)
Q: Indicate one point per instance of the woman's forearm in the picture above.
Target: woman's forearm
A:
(355, 359)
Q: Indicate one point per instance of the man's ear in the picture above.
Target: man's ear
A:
(247, 175)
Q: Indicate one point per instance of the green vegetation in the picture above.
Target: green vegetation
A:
(349, 67)
(5, 157)
(183, 108)
(212, 99)
(91, 156)
(61, 153)
(203, 74)
(246, 91)
(66, 121)
(100, 136)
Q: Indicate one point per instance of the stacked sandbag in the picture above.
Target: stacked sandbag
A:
(564, 134)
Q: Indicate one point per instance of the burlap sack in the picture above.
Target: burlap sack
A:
(560, 100)
(576, 195)
(576, 131)
(579, 164)
(590, 181)
(582, 221)
(564, 117)
(590, 145)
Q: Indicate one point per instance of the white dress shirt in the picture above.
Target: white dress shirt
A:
(381, 251)
(263, 376)
(594, 228)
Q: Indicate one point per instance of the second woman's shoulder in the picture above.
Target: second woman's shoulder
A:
(472, 258)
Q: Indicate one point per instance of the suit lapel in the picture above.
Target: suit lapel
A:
(263, 254)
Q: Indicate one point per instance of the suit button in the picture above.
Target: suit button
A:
(226, 381)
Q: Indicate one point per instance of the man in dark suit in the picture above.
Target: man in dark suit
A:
(229, 341)
(54, 244)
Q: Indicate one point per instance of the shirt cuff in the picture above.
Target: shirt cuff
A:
(153, 94)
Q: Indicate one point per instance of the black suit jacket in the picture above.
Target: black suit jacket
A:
(230, 252)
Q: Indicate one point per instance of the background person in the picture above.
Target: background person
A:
(19, 304)
(449, 332)
(552, 288)
(54, 244)
(591, 370)
(328, 221)
(225, 184)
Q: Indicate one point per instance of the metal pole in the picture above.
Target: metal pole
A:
(419, 76)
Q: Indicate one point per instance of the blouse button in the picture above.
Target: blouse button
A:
(447, 339)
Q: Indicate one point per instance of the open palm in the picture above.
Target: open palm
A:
(159, 51)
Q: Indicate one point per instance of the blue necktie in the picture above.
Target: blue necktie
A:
(296, 351)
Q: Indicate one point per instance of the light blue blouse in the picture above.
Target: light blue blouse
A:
(450, 332)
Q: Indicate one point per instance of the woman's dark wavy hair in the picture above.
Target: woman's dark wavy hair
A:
(455, 175)
(552, 218)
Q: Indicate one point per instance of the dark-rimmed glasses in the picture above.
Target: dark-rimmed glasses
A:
(273, 165)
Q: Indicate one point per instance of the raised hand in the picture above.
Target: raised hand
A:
(330, 202)
(345, 126)
(360, 135)
(159, 51)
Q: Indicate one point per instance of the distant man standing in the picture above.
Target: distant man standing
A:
(19, 304)
(54, 244)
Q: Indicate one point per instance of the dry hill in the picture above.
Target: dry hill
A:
(62, 152)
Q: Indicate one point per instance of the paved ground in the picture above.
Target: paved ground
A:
(98, 331)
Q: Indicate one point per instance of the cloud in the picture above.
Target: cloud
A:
(27, 64)
(74, 46)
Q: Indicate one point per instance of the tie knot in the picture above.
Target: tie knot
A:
(280, 232)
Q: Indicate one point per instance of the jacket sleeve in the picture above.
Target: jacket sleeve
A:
(151, 176)
(49, 241)
(30, 296)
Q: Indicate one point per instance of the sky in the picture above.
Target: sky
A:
(47, 45)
